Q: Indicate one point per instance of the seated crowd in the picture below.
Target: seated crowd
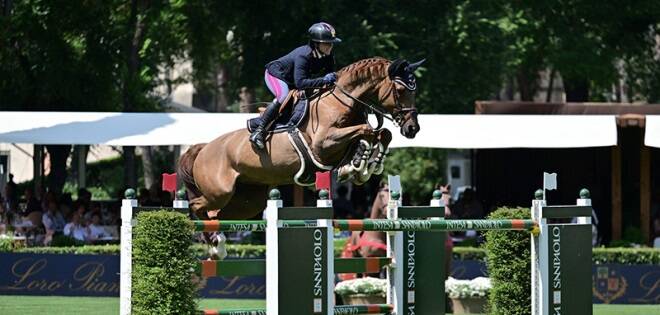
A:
(41, 220)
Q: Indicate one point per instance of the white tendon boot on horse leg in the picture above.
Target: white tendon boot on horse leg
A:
(363, 159)
(344, 173)
(219, 251)
(379, 162)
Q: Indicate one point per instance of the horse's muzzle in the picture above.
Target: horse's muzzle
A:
(410, 127)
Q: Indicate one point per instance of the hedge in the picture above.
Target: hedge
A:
(509, 266)
(601, 255)
(163, 261)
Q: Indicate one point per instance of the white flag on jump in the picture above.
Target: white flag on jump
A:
(549, 181)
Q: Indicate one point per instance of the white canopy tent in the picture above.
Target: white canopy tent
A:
(652, 131)
(437, 131)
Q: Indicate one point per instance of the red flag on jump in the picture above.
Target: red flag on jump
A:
(169, 182)
(323, 181)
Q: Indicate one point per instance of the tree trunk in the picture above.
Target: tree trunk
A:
(130, 174)
(527, 80)
(130, 88)
(58, 156)
(148, 167)
(551, 86)
(222, 93)
(577, 90)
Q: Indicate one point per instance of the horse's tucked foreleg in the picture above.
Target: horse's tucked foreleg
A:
(384, 139)
(376, 162)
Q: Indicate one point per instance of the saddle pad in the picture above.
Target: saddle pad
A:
(288, 118)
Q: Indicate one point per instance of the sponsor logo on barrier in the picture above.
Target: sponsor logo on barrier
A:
(239, 227)
(556, 269)
(410, 251)
(318, 270)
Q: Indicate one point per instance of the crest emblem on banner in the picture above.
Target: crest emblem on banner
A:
(608, 286)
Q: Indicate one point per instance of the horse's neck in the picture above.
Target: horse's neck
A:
(351, 109)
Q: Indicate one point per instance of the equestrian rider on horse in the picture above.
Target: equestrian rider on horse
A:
(295, 70)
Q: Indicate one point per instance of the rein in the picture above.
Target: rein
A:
(397, 117)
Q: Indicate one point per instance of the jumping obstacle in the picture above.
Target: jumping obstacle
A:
(299, 246)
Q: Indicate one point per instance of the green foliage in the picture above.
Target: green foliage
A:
(633, 234)
(65, 241)
(509, 265)
(73, 250)
(469, 253)
(162, 264)
(626, 256)
(6, 245)
(421, 169)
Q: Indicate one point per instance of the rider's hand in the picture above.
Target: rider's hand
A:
(330, 78)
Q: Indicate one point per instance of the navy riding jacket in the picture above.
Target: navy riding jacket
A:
(297, 67)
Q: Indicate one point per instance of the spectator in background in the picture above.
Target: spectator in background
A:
(85, 197)
(165, 198)
(95, 208)
(343, 207)
(47, 199)
(144, 198)
(656, 230)
(81, 210)
(11, 192)
(53, 221)
(467, 206)
(66, 204)
(4, 216)
(75, 228)
(32, 203)
(96, 231)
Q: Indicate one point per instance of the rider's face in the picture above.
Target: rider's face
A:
(325, 48)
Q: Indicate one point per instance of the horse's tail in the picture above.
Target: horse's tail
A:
(185, 170)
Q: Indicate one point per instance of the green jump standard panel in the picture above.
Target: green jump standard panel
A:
(423, 264)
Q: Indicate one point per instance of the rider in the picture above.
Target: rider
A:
(295, 71)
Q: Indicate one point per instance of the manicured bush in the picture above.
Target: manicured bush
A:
(65, 241)
(6, 245)
(163, 264)
(509, 266)
(626, 256)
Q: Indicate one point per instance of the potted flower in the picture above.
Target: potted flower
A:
(362, 291)
(468, 296)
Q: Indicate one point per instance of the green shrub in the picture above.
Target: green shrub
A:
(6, 245)
(509, 266)
(163, 264)
(65, 241)
(76, 250)
(469, 253)
(626, 256)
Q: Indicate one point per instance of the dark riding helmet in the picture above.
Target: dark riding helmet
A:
(323, 33)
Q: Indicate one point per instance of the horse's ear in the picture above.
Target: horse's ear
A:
(396, 67)
(413, 66)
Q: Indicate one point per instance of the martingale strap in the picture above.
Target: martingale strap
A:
(306, 175)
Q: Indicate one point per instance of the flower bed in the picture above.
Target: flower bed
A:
(362, 290)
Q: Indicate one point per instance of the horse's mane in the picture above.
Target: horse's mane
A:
(365, 70)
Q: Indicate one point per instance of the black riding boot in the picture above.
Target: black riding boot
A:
(258, 136)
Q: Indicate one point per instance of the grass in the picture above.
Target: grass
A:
(15, 305)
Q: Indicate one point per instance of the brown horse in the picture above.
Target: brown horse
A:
(229, 174)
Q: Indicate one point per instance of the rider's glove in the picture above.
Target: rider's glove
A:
(330, 78)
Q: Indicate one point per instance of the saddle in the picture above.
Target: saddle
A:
(292, 112)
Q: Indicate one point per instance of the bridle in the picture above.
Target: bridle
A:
(399, 114)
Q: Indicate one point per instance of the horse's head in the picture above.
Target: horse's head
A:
(397, 95)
